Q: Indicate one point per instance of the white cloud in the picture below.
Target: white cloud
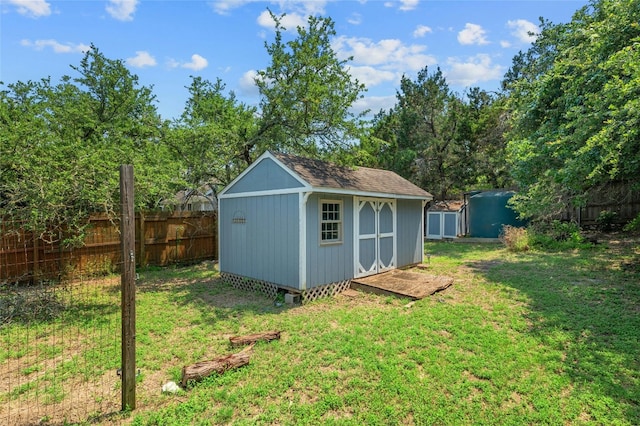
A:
(370, 76)
(405, 5)
(523, 30)
(32, 8)
(56, 46)
(408, 4)
(374, 104)
(505, 43)
(306, 7)
(197, 63)
(142, 59)
(290, 21)
(392, 53)
(298, 7)
(472, 34)
(473, 70)
(247, 83)
(421, 31)
(355, 19)
(222, 7)
(379, 62)
(122, 10)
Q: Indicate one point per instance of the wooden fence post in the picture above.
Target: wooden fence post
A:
(128, 288)
(36, 258)
(143, 256)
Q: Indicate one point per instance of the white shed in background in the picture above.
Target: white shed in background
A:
(445, 219)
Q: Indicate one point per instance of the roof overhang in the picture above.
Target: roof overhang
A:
(306, 187)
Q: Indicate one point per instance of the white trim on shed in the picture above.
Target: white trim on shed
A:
(311, 182)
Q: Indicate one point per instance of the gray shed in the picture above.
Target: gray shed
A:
(309, 226)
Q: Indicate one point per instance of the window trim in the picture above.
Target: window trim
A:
(340, 221)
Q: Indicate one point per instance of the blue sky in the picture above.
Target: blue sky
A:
(166, 42)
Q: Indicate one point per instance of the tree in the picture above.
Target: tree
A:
(574, 102)
(379, 146)
(215, 138)
(440, 140)
(488, 121)
(427, 135)
(63, 145)
(305, 98)
(307, 92)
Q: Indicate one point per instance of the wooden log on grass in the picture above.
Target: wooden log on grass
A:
(250, 339)
(202, 369)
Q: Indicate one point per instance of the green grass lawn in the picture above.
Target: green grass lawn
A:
(529, 338)
(532, 338)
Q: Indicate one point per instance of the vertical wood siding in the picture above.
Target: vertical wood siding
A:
(409, 235)
(331, 262)
(259, 238)
(265, 176)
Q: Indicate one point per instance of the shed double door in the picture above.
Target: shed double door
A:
(442, 225)
(375, 244)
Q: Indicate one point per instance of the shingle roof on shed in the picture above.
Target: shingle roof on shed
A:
(321, 174)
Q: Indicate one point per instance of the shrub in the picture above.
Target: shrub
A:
(557, 235)
(605, 220)
(633, 225)
(516, 239)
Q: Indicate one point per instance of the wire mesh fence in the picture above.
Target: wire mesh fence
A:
(60, 313)
(60, 337)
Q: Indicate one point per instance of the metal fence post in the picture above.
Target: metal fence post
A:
(128, 289)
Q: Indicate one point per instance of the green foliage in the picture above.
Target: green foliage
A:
(307, 92)
(62, 146)
(215, 138)
(556, 235)
(306, 95)
(431, 124)
(633, 225)
(442, 142)
(605, 220)
(574, 101)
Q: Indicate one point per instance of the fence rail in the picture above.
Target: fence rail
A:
(619, 198)
(161, 239)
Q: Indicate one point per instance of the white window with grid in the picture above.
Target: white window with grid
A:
(330, 221)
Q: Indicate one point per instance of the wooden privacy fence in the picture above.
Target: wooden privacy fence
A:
(620, 198)
(161, 239)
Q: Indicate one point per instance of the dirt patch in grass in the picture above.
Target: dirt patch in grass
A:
(481, 266)
(59, 401)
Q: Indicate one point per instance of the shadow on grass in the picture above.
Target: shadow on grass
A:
(587, 306)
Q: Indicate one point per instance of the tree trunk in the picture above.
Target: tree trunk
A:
(250, 339)
(202, 369)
